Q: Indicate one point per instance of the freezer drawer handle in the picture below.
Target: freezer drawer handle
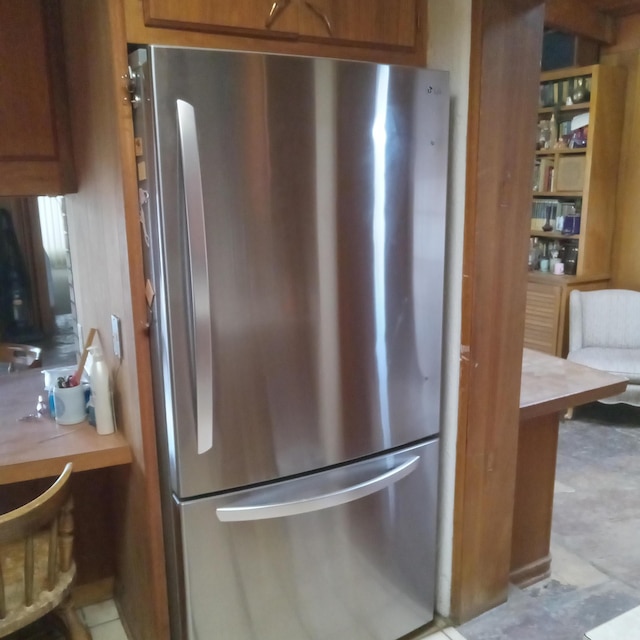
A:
(199, 270)
(248, 512)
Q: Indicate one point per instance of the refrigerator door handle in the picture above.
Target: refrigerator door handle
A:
(244, 511)
(199, 270)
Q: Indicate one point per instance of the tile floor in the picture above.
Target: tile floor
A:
(103, 621)
(445, 634)
(595, 543)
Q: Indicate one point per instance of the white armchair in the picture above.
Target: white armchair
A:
(604, 333)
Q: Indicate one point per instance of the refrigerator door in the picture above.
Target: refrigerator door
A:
(298, 233)
(363, 569)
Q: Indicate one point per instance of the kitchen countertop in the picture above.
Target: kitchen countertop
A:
(40, 448)
(550, 384)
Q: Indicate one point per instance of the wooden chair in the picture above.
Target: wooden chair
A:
(36, 563)
(20, 356)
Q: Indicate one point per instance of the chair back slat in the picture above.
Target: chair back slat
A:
(65, 532)
(3, 602)
(52, 563)
(28, 571)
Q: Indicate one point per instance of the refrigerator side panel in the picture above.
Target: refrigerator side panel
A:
(363, 569)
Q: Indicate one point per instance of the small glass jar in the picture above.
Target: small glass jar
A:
(580, 92)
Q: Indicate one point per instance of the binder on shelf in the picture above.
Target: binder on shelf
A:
(543, 211)
(570, 91)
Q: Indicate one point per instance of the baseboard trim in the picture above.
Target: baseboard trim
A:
(93, 592)
(531, 573)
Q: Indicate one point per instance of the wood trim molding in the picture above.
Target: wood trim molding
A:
(158, 617)
(577, 17)
(92, 592)
(506, 44)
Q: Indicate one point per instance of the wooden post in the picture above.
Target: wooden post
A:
(506, 44)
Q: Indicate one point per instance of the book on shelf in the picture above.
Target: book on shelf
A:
(543, 171)
(554, 213)
(544, 212)
(565, 92)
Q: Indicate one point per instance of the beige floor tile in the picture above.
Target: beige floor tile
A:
(95, 614)
(109, 631)
(568, 568)
(444, 634)
(452, 634)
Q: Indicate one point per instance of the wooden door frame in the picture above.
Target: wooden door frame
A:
(506, 45)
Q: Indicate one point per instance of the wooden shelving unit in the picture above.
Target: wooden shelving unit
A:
(546, 322)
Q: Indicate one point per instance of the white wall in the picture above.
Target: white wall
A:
(449, 47)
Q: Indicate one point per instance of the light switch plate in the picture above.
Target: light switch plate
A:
(116, 337)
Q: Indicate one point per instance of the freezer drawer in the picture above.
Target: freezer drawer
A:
(346, 553)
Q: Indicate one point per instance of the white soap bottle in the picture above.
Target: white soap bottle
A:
(101, 392)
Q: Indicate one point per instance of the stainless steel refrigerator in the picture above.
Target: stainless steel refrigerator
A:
(293, 214)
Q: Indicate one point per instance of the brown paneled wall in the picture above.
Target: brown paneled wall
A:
(625, 258)
(105, 246)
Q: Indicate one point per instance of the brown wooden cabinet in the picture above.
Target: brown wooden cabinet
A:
(541, 327)
(371, 23)
(386, 23)
(546, 326)
(258, 17)
(35, 145)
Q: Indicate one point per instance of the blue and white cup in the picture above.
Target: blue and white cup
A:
(50, 377)
(70, 404)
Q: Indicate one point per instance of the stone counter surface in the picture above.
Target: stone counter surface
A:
(550, 384)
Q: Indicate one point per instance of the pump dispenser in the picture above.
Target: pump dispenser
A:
(101, 392)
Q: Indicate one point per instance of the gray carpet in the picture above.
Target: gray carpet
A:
(595, 535)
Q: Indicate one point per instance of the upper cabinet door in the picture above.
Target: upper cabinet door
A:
(263, 17)
(35, 144)
(368, 24)
(384, 23)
